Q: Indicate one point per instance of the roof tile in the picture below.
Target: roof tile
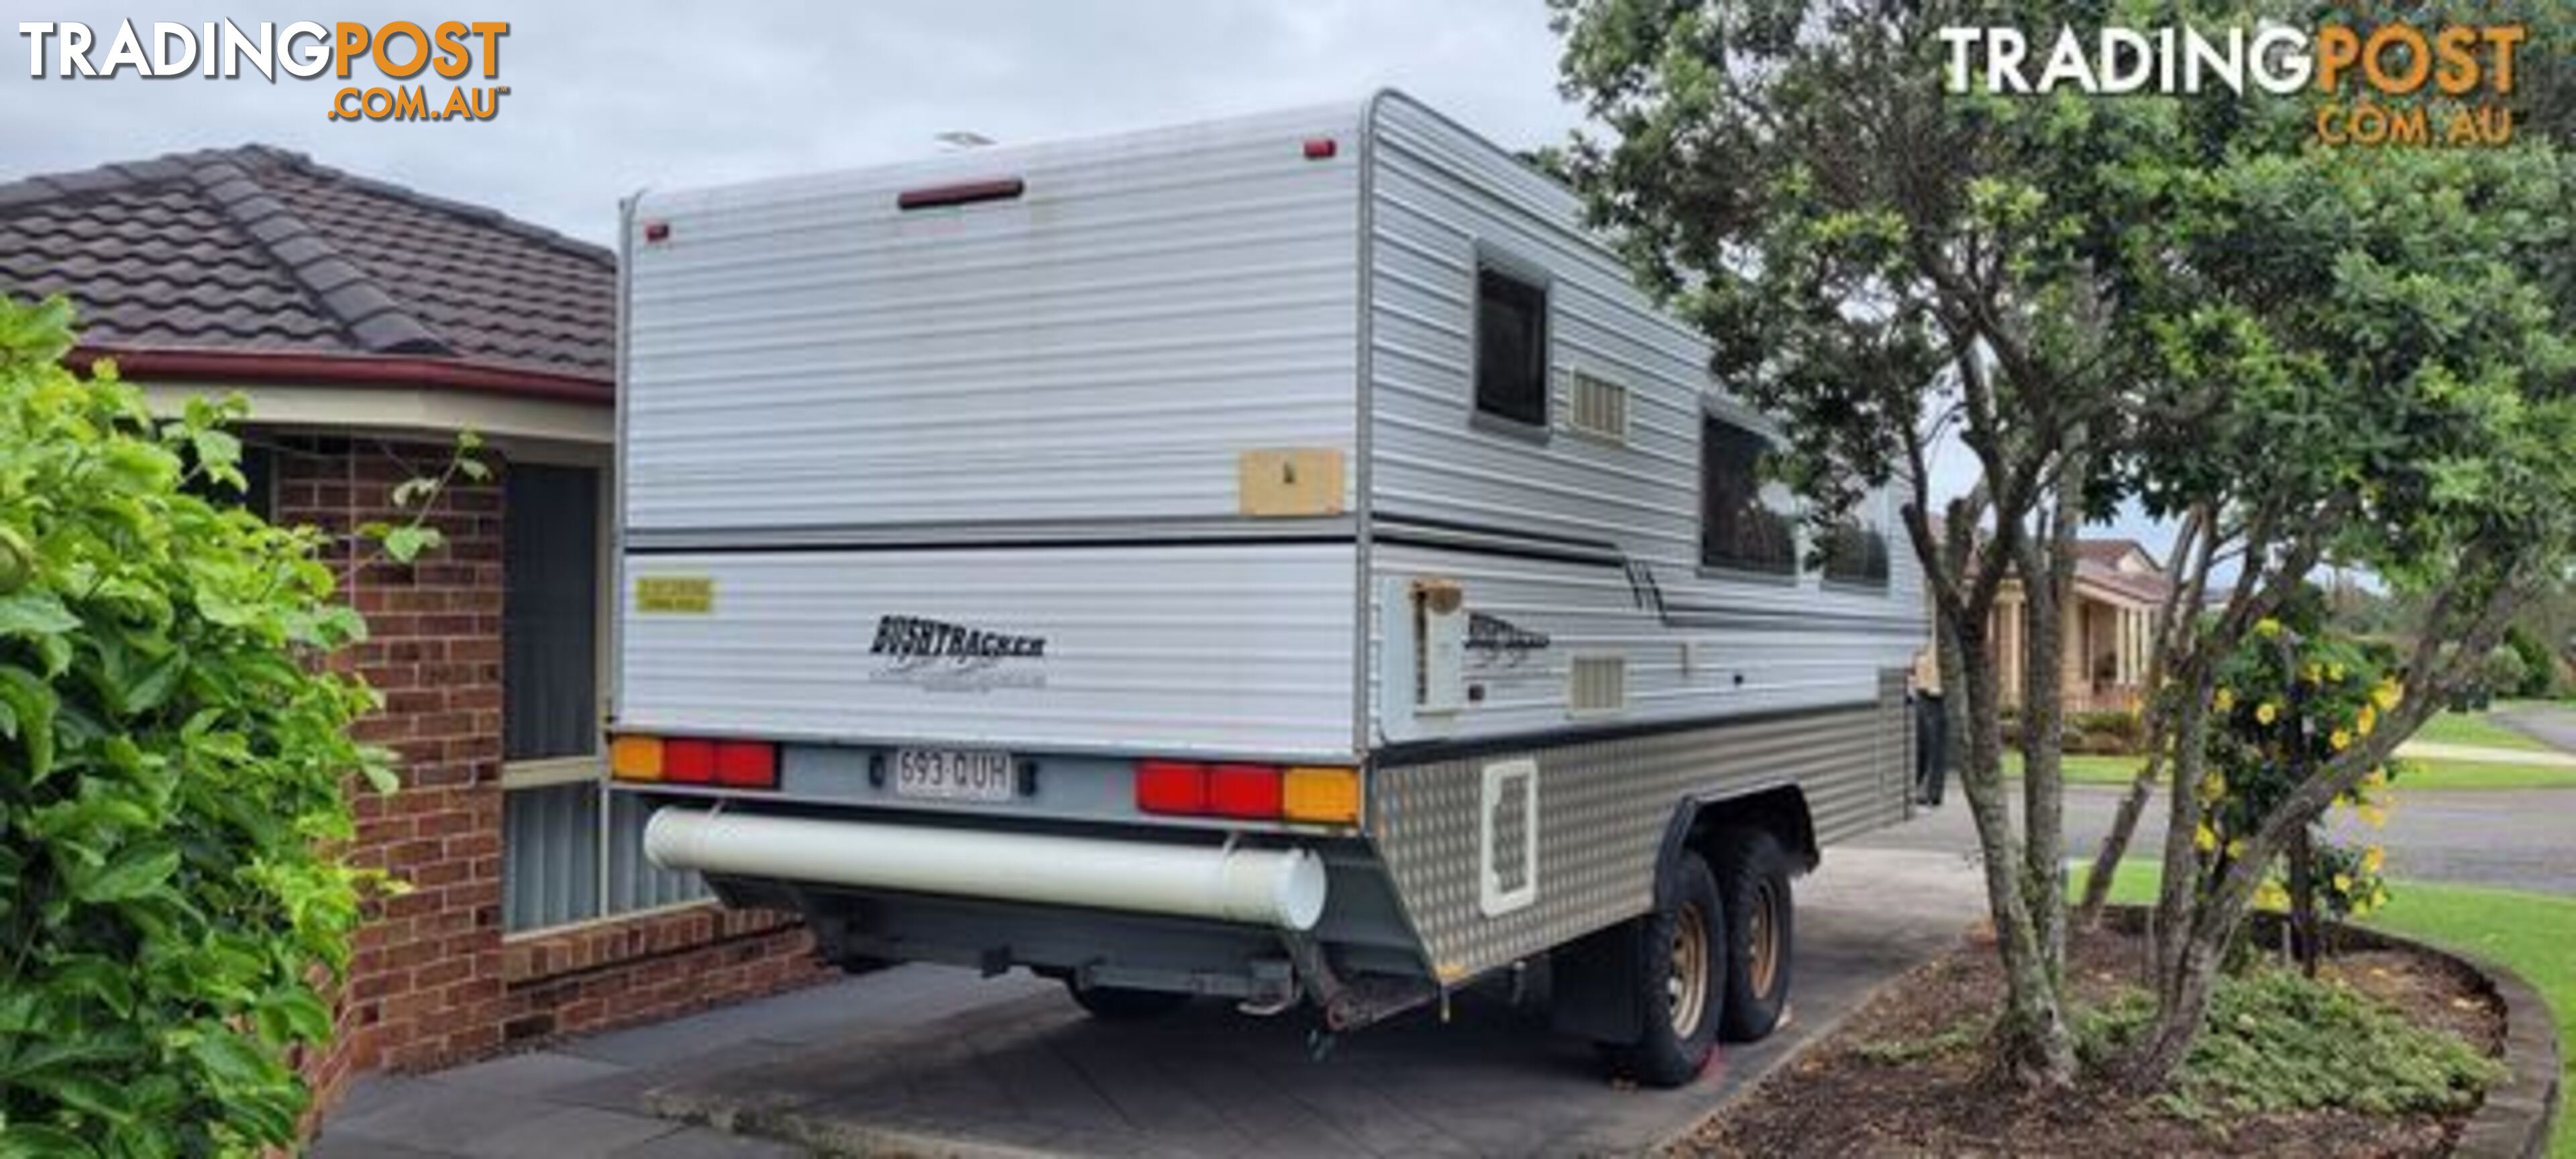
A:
(257, 248)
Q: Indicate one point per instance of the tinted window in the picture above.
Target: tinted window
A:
(550, 612)
(1511, 348)
(1737, 529)
(1856, 553)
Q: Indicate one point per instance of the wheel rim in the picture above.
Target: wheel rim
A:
(1762, 929)
(1686, 984)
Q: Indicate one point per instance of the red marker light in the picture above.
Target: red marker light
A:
(656, 231)
(1321, 148)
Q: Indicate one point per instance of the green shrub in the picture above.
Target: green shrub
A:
(172, 770)
(2278, 1041)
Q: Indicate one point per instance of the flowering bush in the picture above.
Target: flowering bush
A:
(2291, 699)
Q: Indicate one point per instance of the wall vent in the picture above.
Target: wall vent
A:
(1598, 408)
(1598, 684)
(1507, 838)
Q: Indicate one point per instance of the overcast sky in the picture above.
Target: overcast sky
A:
(605, 98)
(608, 98)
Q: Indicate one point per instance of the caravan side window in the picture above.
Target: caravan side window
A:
(1737, 530)
(1511, 348)
(1856, 553)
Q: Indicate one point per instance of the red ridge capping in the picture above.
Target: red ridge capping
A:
(252, 367)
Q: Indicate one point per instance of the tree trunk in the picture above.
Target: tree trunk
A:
(2032, 1044)
(2115, 844)
(2048, 585)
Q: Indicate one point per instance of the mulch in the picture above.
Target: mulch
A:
(1837, 1098)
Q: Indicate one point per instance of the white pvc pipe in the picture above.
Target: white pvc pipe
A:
(1276, 887)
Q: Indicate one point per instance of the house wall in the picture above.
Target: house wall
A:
(434, 980)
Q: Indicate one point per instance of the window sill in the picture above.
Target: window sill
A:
(551, 771)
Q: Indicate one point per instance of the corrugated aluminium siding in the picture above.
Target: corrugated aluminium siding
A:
(804, 354)
(1230, 650)
(1442, 199)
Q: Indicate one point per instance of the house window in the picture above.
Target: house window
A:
(258, 494)
(1739, 530)
(571, 850)
(550, 614)
(1856, 554)
(1511, 348)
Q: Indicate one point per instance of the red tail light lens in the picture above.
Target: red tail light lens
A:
(1171, 787)
(1243, 791)
(747, 764)
(688, 762)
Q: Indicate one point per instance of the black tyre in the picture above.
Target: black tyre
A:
(1120, 1004)
(1753, 885)
(1680, 979)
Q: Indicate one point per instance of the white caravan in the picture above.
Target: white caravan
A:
(1280, 559)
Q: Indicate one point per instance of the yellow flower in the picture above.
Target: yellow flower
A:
(2374, 815)
(2313, 673)
(2377, 776)
(2267, 712)
(2236, 849)
(2334, 672)
(2205, 839)
(2387, 694)
(2225, 701)
(2270, 895)
(2372, 858)
(2341, 739)
(2362, 908)
(2367, 720)
(2267, 627)
(2212, 787)
(2343, 883)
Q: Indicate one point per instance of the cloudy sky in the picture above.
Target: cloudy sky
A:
(605, 98)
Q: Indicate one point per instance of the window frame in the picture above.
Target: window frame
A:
(1873, 520)
(591, 767)
(1715, 411)
(1536, 276)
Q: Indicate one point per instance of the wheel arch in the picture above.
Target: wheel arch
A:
(1780, 811)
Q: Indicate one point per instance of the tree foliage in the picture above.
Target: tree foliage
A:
(172, 771)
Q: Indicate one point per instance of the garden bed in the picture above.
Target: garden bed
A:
(1904, 1075)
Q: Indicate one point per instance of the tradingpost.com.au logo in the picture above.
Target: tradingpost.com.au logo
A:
(400, 51)
(2385, 84)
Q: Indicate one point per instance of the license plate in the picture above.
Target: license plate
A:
(954, 774)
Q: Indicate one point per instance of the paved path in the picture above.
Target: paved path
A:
(2516, 838)
(2485, 754)
(2554, 724)
(925, 1060)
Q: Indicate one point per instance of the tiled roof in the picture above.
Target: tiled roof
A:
(260, 250)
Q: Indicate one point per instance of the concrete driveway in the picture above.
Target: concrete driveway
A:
(924, 1060)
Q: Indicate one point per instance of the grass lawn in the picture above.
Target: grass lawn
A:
(2099, 770)
(2530, 933)
(2475, 728)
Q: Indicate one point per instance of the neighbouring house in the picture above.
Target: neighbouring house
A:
(368, 324)
(2109, 629)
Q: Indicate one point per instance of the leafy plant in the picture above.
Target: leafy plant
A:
(2279, 1042)
(172, 771)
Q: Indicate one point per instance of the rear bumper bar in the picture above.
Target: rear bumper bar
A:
(1273, 887)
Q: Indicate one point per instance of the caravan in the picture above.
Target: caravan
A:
(1281, 559)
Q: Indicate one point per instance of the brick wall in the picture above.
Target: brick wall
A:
(433, 981)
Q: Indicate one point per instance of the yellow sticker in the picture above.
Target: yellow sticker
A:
(1290, 481)
(675, 595)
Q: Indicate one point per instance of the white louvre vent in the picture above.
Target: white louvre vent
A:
(1598, 408)
(1598, 684)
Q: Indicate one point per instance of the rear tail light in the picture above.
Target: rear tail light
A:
(1243, 791)
(1171, 787)
(689, 762)
(747, 764)
(1318, 794)
(736, 764)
